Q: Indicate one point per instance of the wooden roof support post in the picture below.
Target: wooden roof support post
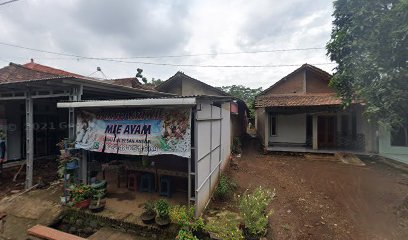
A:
(29, 140)
(315, 132)
(76, 95)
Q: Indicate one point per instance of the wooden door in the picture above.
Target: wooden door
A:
(326, 131)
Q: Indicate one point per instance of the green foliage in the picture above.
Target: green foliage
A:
(253, 208)
(81, 192)
(226, 226)
(369, 42)
(184, 217)
(225, 188)
(162, 208)
(185, 235)
(149, 207)
(246, 94)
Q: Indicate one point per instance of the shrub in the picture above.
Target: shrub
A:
(184, 217)
(81, 192)
(253, 209)
(185, 235)
(225, 226)
(225, 188)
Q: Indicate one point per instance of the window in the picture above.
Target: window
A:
(272, 125)
(399, 137)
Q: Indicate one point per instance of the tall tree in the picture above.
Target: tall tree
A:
(246, 94)
(369, 41)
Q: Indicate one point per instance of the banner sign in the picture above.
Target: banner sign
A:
(135, 132)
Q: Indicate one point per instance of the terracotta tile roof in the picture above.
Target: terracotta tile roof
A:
(297, 100)
(18, 73)
(132, 82)
(42, 68)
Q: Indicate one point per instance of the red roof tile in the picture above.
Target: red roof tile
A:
(18, 73)
(297, 100)
(42, 68)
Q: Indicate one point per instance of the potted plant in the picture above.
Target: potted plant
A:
(81, 196)
(97, 205)
(149, 213)
(163, 211)
(61, 146)
(67, 162)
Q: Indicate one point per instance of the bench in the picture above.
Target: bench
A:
(48, 233)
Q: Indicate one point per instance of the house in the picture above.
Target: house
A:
(184, 85)
(302, 113)
(29, 118)
(393, 144)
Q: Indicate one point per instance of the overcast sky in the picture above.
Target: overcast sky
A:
(128, 28)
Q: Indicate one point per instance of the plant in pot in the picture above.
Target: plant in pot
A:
(66, 162)
(61, 145)
(253, 207)
(149, 213)
(163, 210)
(97, 204)
(81, 196)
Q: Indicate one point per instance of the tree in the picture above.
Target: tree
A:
(369, 42)
(246, 94)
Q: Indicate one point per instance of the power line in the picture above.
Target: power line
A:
(165, 56)
(7, 2)
(118, 60)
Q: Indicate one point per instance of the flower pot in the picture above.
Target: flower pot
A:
(83, 204)
(148, 218)
(162, 222)
(97, 208)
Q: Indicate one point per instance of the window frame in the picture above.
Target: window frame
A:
(271, 128)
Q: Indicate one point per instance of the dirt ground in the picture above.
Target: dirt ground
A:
(322, 199)
(44, 168)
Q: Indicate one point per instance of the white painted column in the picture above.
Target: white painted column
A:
(315, 142)
(29, 140)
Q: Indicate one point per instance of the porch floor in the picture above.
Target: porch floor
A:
(403, 158)
(310, 150)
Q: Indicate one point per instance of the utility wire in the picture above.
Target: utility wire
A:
(165, 56)
(7, 2)
(159, 64)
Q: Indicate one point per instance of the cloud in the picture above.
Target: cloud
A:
(156, 27)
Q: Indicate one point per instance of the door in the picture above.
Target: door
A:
(326, 131)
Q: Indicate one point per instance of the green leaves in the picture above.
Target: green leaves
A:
(369, 42)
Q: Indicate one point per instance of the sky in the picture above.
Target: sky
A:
(127, 30)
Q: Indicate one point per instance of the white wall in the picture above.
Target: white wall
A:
(290, 129)
(213, 143)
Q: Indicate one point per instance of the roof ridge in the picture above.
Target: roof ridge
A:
(35, 70)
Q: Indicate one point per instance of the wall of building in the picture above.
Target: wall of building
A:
(213, 149)
(260, 125)
(315, 83)
(191, 88)
(293, 84)
(397, 153)
(290, 129)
